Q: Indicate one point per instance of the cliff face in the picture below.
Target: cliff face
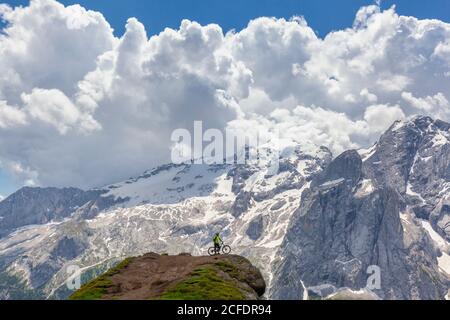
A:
(154, 276)
(367, 210)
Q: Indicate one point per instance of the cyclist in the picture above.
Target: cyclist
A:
(217, 242)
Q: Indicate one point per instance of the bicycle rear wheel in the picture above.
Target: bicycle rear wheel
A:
(226, 249)
(212, 251)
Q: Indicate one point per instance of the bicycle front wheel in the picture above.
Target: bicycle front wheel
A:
(226, 249)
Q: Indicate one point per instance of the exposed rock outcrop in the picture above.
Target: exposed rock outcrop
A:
(154, 276)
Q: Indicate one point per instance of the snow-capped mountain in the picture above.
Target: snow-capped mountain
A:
(314, 226)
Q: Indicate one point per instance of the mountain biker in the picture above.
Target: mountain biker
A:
(217, 242)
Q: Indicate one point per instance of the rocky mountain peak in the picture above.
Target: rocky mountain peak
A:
(392, 159)
(347, 166)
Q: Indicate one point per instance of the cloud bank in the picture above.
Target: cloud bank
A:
(81, 107)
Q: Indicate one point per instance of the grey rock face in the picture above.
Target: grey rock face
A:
(414, 159)
(68, 248)
(440, 218)
(241, 204)
(321, 291)
(394, 156)
(239, 174)
(38, 206)
(350, 219)
(347, 166)
(30, 206)
(255, 228)
(278, 205)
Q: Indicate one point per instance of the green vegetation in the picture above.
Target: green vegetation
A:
(63, 293)
(203, 284)
(96, 288)
(93, 290)
(215, 279)
(231, 269)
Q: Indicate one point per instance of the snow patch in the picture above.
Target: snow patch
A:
(442, 244)
(439, 140)
(172, 184)
(436, 237)
(398, 125)
(405, 217)
(444, 263)
(365, 188)
(348, 293)
(410, 192)
(332, 183)
(305, 291)
(367, 153)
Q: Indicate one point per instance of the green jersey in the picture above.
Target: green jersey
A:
(217, 239)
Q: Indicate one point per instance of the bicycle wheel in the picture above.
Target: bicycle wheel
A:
(212, 251)
(226, 249)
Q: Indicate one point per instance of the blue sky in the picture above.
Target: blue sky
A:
(322, 15)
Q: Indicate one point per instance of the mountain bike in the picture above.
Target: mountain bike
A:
(225, 249)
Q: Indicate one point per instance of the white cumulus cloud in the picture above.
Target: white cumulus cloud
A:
(80, 106)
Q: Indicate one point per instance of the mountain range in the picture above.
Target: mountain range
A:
(315, 228)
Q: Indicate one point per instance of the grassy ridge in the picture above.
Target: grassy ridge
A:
(226, 279)
(96, 288)
(203, 284)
